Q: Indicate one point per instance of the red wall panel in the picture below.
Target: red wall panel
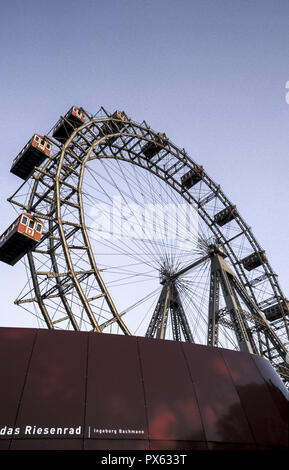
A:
(115, 407)
(15, 351)
(4, 444)
(277, 388)
(116, 444)
(54, 393)
(177, 445)
(172, 408)
(221, 410)
(46, 444)
(277, 408)
(261, 413)
(223, 446)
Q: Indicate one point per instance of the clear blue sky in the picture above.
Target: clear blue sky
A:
(209, 73)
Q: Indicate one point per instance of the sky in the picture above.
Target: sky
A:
(211, 74)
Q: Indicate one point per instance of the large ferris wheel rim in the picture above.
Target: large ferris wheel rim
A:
(181, 155)
(141, 132)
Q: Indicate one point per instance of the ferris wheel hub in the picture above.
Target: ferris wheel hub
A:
(214, 250)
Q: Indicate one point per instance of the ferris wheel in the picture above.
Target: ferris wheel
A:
(126, 234)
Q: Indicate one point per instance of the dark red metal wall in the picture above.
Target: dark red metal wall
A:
(68, 390)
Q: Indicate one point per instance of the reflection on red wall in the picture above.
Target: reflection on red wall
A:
(76, 390)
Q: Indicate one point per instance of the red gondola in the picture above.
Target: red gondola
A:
(114, 127)
(33, 154)
(65, 126)
(23, 235)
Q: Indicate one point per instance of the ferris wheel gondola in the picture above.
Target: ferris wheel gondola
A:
(33, 154)
(21, 237)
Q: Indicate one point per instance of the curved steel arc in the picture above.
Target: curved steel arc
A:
(98, 277)
(183, 157)
(160, 172)
(71, 270)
